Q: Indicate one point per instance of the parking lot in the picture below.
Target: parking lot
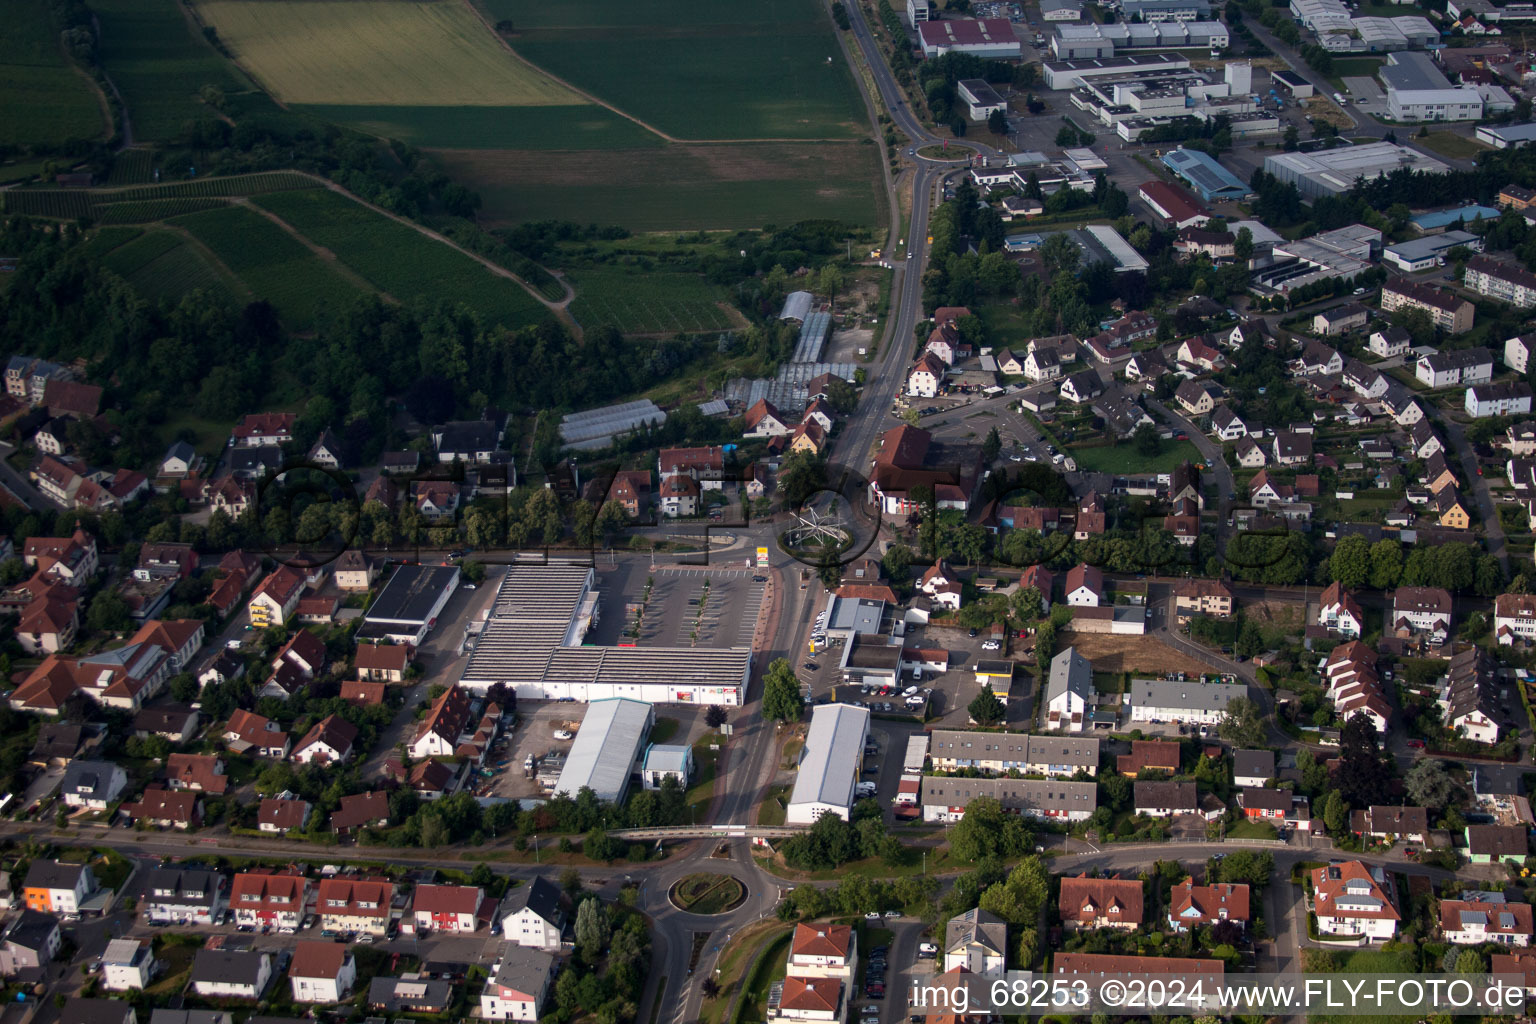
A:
(534, 735)
(703, 606)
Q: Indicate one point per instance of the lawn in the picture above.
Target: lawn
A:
(675, 187)
(160, 65)
(638, 301)
(770, 813)
(1357, 67)
(708, 893)
(1457, 147)
(1124, 458)
(273, 264)
(702, 793)
(400, 260)
(698, 71)
(47, 102)
(766, 969)
(378, 52)
(735, 961)
(663, 730)
(1249, 829)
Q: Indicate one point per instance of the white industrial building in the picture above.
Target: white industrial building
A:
(407, 608)
(1502, 136)
(1086, 42)
(980, 98)
(1333, 172)
(1418, 91)
(1070, 74)
(1173, 700)
(533, 641)
(1321, 15)
(829, 763)
(607, 749)
(1423, 253)
(666, 761)
(917, 12)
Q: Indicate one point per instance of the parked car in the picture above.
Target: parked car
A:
(563, 734)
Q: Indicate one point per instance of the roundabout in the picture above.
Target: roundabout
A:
(707, 893)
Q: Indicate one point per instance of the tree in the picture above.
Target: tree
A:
(1335, 813)
(992, 446)
(781, 693)
(897, 563)
(1362, 776)
(592, 929)
(1243, 724)
(1292, 138)
(1386, 564)
(1429, 785)
(988, 831)
(997, 123)
(611, 519)
(986, 709)
(1350, 563)
(108, 613)
(714, 717)
(1250, 639)
(801, 475)
(1146, 441)
(1242, 247)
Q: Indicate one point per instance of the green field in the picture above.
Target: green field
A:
(401, 261)
(127, 256)
(647, 302)
(1457, 147)
(380, 52)
(107, 239)
(159, 65)
(1124, 458)
(751, 69)
(161, 265)
(149, 202)
(677, 187)
(47, 102)
(271, 263)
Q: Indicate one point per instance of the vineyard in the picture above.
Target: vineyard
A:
(108, 239)
(71, 204)
(647, 303)
(132, 167)
(271, 263)
(178, 271)
(400, 260)
(126, 259)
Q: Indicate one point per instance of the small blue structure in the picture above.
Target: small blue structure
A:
(1439, 220)
(1212, 181)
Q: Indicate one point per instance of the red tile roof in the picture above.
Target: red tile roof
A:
(1084, 900)
(821, 940)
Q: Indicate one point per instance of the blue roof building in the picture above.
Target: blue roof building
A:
(1214, 182)
(1439, 220)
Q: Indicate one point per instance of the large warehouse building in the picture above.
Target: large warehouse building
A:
(829, 764)
(979, 37)
(1071, 74)
(532, 641)
(407, 608)
(1332, 172)
(607, 750)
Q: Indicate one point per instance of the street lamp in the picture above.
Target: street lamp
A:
(535, 849)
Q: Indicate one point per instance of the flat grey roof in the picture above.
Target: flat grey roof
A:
(1406, 71)
(829, 764)
(606, 748)
(1193, 695)
(860, 615)
(411, 594)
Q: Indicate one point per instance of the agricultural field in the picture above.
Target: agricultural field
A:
(271, 263)
(721, 71)
(107, 239)
(148, 202)
(401, 261)
(378, 52)
(588, 127)
(637, 301)
(676, 187)
(47, 101)
(159, 65)
(162, 265)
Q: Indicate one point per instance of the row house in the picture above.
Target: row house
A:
(349, 904)
(1498, 398)
(1514, 618)
(183, 896)
(1448, 312)
(1092, 903)
(944, 798)
(1149, 756)
(1500, 280)
(264, 429)
(1421, 610)
(997, 753)
(273, 900)
(54, 887)
(1353, 686)
(1468, 699)
(1339, 612)
(1482, 917)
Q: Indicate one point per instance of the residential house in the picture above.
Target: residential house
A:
(1092, 903)
(1292, 449)
(765, 420)
(326, 452)
(1484, 917)
(269, 899)
(1196, 397)
(262, 737)
(355, 571)
(1042, 364)
(359, 811)
(976, 941)
(329, 742)
(808, 437)
(1041, 578)
(706, 465)
(1165, 799)
(1514, 618)
(1447, 311)
(1469, 697)
(347, 903)
(1497, 844)
(1389, 342)
(632, 490)
(1450, 509)
(446, 720)
(679, 495)
(1260, 803)
(383, 663)
(1149, 756)
(1195, 353)
(1391, 823)
(282, 814)
(1218, 245)
(183, 896)
(165, 808)
(230, 973)
(808, 1000)
(1252, 767)
(69, 559)
(472, 442)
(1201, 597)
(79, 1010)
(1009, 364)
(92, 785)
(1465, 366)
(29, 943)
(264, 429)
(1340, 320)
(942, 585)
(1425, 442)
(1498, 398)
(413, 994)
(533, 915)
(822, 950)
(1339, 612)
(1069, 691)
(55, 887)
(1083, 386)
(1351, 683)
(1250, 455)
(448, 908)
(1227, 425)
(1317, 359)
(1351, 898)
(518, 988)
(1085, 586)
(321, 972)
(926, 376)
(1422, 610)
(1366, 381)
(363, 693)
(127, 966)
(276, 598)
(1192, 906)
